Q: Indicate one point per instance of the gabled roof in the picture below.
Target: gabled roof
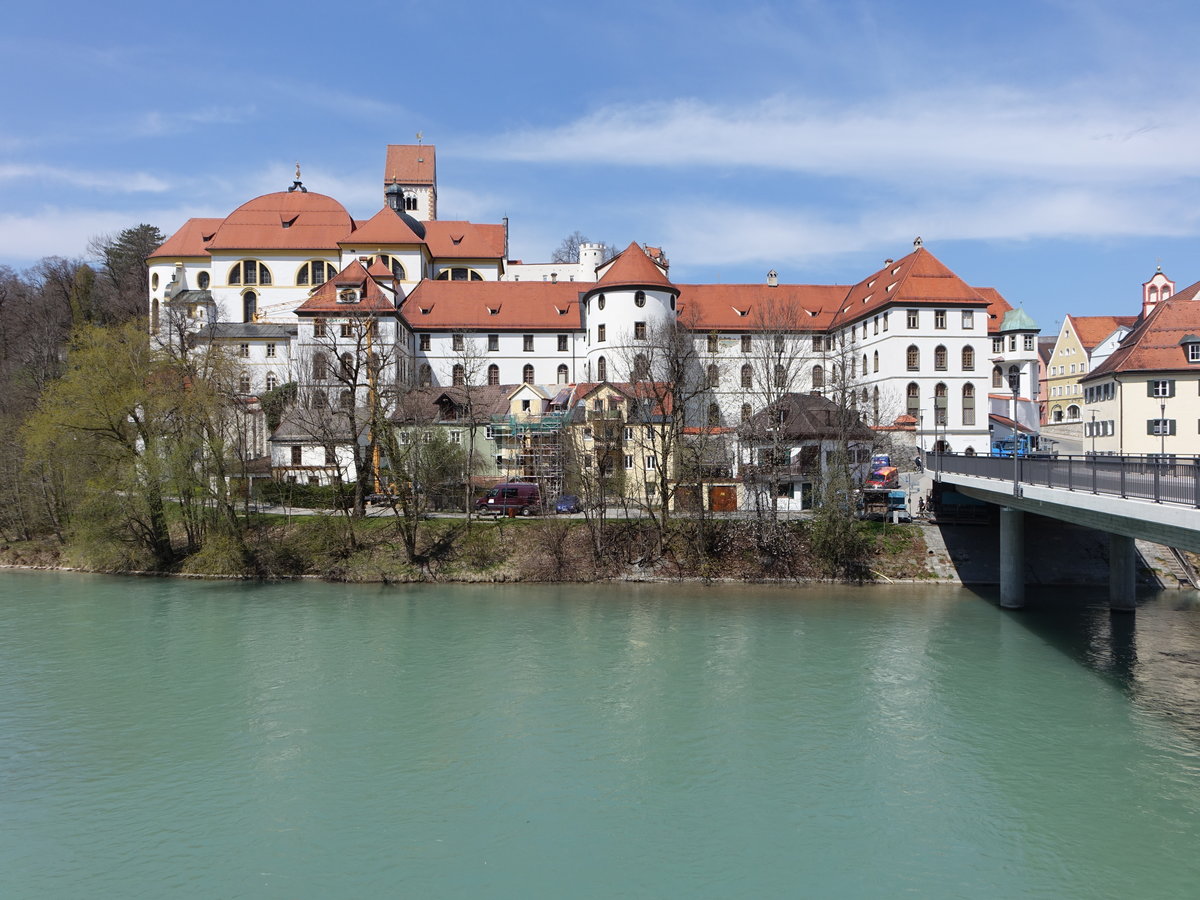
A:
(427, 404)
(493, 305)
(804, 417)
(373, 299)
(1092, 330)
(285, 220)
(919, 279)
(997, 307)
(190, 240)
(303, 424)
(386, 227)
(757, 307)
(633, 268)
(464, 240)
(410, 164)
(1155, 344)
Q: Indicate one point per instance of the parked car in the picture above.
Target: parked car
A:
(884, 478)
(522, 498)
(568, 503)
(879, 460)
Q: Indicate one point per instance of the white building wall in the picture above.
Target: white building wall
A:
(510, 356)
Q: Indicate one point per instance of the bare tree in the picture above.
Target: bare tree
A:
(466, 371)
(568, 250)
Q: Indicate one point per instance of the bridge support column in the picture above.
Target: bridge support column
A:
(1122, 573)
(1012, 558)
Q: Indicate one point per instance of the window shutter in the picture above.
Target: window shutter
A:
(1149, 388)
(1150, 426)
(1170, 426)
(1171, 390)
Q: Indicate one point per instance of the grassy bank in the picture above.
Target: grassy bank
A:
(511, 550)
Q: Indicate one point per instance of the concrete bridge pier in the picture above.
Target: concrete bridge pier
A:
(1012, 558)
(1122, 573)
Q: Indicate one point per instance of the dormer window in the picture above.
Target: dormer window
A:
(349, 295)
(1192, 348)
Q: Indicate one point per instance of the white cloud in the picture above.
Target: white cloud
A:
(108, 182)
(924, 135)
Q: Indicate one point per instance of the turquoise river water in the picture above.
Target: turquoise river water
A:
(169, 738)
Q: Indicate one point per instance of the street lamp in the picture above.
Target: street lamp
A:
(1162, 429)
(1014, 384)
(1093, 432)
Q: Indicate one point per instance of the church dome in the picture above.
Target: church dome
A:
(1018, 320)
(285, 220)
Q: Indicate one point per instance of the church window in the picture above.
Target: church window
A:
(249, 306)
(562, 374)
(968, 404)
(940, 358)
(459, 273)
(913, 358)
(745, 343)
(818, 377)
(780, 375)
(939, 404)
(639, 299)
(527, 374)
(320, 367)
(394, 264)
(602, 369)
(425, 375)
(249, 271)
(747, 376)
(459, 375)
(600, 302)
(714, 376)
(913, 399)
(315, 271)
(202, 281)
(493, 374)
(968, 358)
(875, 362)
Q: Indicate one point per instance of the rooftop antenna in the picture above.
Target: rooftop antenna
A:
(420, 137)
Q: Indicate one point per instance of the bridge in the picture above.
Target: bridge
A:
(1128, 497)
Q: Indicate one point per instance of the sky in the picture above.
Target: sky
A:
(1047, 148)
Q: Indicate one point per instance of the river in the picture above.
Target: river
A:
(174, 738)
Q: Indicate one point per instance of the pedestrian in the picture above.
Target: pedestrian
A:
(917, 462)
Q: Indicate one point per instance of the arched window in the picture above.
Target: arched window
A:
(1014, 379)
(527, 374)
(154, 314)
(459, 273)
(997, 377)
(864, 369)
(939, 404)
(875, 405)
(202, 281)
(818, 378)
(714, 415)
(853, 367)
(1072, 412)
(747, 376)
(249, 306)
(913, 357)
(347, 364)
(602, 369)
(243, 383)
(458, 374)
(875, 362)
(745, 412)
(968, 358)
(970, 451)
(318, 399)
(641, 368)
(563, 374)
(940, 358)
(320, 367)
(425, 375)
(272, 382)
(639, 299)
(249, 271)
(1057, 414)
(493, 374)
(315, 271)
(968, 404)
(1153, 294)
(912, 399)
(780, 375)
(714, 375)
(395, 265)
(346, 398)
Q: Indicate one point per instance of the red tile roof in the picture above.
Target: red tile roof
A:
(919, 279)
(1091, 330)
(190, 240)
(997, 307)
(493, 305)
(287, 220)
(757, 307)
(633, 268)
(410, 164)
(374, 300)
(1154, 345)
(464, 240)
(385, 227)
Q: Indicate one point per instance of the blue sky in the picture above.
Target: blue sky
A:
(1043, 147)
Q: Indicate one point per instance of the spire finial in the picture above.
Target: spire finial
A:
(420, 137)
(297, 171)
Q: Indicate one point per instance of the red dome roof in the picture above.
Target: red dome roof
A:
(286, 220)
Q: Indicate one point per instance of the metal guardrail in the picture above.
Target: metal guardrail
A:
(1174, 480)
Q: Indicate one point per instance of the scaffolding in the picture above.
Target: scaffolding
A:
(532, 449)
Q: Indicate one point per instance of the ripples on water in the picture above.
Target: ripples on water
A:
(197, 739)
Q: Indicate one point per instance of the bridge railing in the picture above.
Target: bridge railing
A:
(1173, 479)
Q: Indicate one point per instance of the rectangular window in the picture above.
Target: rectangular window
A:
(1028, 342)
(456, 342)
(1193, 352)
(885, 321)
(423, 342)
(318, 328)
(714, 342)
(629, 433)
(1160, 427)
(779, 343)
(297, 454)
(914, 318)
(997, 345)
(456, 437)
(939, 318)
(968, 319)
(493, 343)
(243, 349)
(562, 343)
(639, 331)
(330, 457)
(746, 343)
(527, 341)
(347, 330)
(651, 462)
(629, 460)
(601, 332)
(819, 343)
(875, 322)
(489, 432)
(1072, 368)
(1161, 388)
(270, 351)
